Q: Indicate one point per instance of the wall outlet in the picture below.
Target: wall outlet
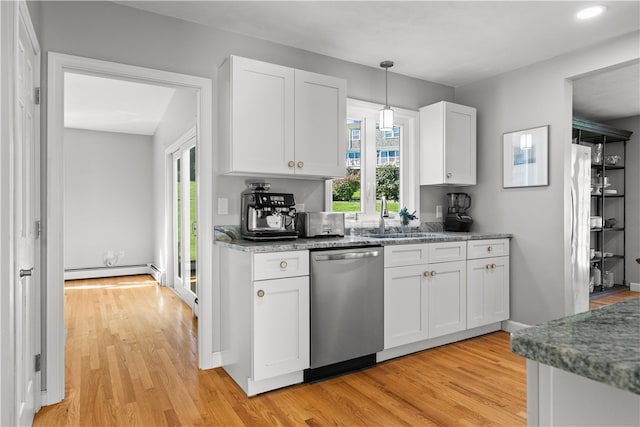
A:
(439, 211)
(121, 254)
(299, 207)
(223, 206)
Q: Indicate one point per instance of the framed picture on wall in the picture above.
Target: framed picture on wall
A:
(526, 158)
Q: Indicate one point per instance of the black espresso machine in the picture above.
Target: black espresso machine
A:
(265, 215)
(457, 218)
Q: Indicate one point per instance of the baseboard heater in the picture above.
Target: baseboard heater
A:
(158, 274)
(98, 272)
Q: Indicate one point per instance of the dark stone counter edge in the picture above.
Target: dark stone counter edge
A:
(596, 368)
(352, 241)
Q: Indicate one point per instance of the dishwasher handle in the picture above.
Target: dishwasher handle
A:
(347, 255)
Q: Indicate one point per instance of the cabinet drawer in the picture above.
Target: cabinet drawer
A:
(401, 255)
(274, 265)
(447, 251)
(487, 248)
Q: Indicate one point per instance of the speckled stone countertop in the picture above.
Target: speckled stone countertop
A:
(353, 241)
(602, 344)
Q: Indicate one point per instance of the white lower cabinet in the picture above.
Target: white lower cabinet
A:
(405, 305)
(487, 290)
(265, 318)
(447, 307)
(280, 326)
(446, 290)
(424, 300)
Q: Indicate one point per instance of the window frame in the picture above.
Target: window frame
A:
(368, 112)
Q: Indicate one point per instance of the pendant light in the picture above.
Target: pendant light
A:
(386, 114)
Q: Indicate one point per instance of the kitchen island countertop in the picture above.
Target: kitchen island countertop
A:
(353, 241)
(602, 344)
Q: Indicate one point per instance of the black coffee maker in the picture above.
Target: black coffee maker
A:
(457, 218)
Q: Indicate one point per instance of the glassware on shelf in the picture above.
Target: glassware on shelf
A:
(596, 154)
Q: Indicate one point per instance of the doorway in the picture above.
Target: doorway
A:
(59, 64)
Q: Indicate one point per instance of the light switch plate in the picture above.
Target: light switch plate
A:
(439, 211)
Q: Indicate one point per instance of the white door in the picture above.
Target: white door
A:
(405, 305)
(447, 283)
(320, 138)
(487, 291)
(184, 222)
(280, 326)
(262, 117)
(26, 202)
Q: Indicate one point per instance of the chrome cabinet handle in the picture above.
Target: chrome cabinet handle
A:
(493, 266)
(449, 174)
(433, 274)
(260, 293)
(26, 272)
(300, 165)
(426, 274)
(488, 266)
(291, 163)
(489, 248)
(283, 264)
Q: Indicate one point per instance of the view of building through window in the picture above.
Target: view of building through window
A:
(348, 191)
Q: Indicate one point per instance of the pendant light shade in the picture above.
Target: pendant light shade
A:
(386, 114)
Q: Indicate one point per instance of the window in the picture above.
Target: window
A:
(378, 163)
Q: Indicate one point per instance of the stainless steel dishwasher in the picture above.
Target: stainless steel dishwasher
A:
(347, 310)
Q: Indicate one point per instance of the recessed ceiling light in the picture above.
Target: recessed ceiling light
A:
(590, 12)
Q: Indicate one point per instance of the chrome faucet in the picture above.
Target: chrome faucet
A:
(384, 213)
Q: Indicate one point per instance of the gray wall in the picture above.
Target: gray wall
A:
(539, 217)
(632, 197)
(102, 30)
(107, 198)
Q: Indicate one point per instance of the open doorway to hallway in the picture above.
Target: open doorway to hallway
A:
(199, 92)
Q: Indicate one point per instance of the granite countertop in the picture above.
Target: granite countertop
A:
(602, 344)
(353, 241)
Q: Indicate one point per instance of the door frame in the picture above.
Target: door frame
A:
(168, 206)
(58, 64)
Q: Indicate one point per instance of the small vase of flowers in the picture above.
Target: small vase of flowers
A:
(405, 216)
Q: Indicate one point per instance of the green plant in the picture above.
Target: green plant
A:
(344, 188)
(405, 216)
(388, 182)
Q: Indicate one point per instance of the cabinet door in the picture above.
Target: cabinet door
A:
(460, 144)
(447, 297)
(487, 291)
(320, 121)
(447, 144)
(262, 117)
(405, 305)
(280, 326)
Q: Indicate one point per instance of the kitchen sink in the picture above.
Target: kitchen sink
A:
(408, 235)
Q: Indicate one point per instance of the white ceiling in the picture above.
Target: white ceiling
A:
(109, 105)
(448, 42)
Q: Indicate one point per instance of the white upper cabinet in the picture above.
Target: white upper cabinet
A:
(276, 120)
(447, 144)
(320, 117)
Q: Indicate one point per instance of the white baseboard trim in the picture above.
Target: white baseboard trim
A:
(94, 273)
(511, 326)
(635, 287)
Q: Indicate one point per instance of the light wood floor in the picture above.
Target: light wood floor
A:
(131, 360)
